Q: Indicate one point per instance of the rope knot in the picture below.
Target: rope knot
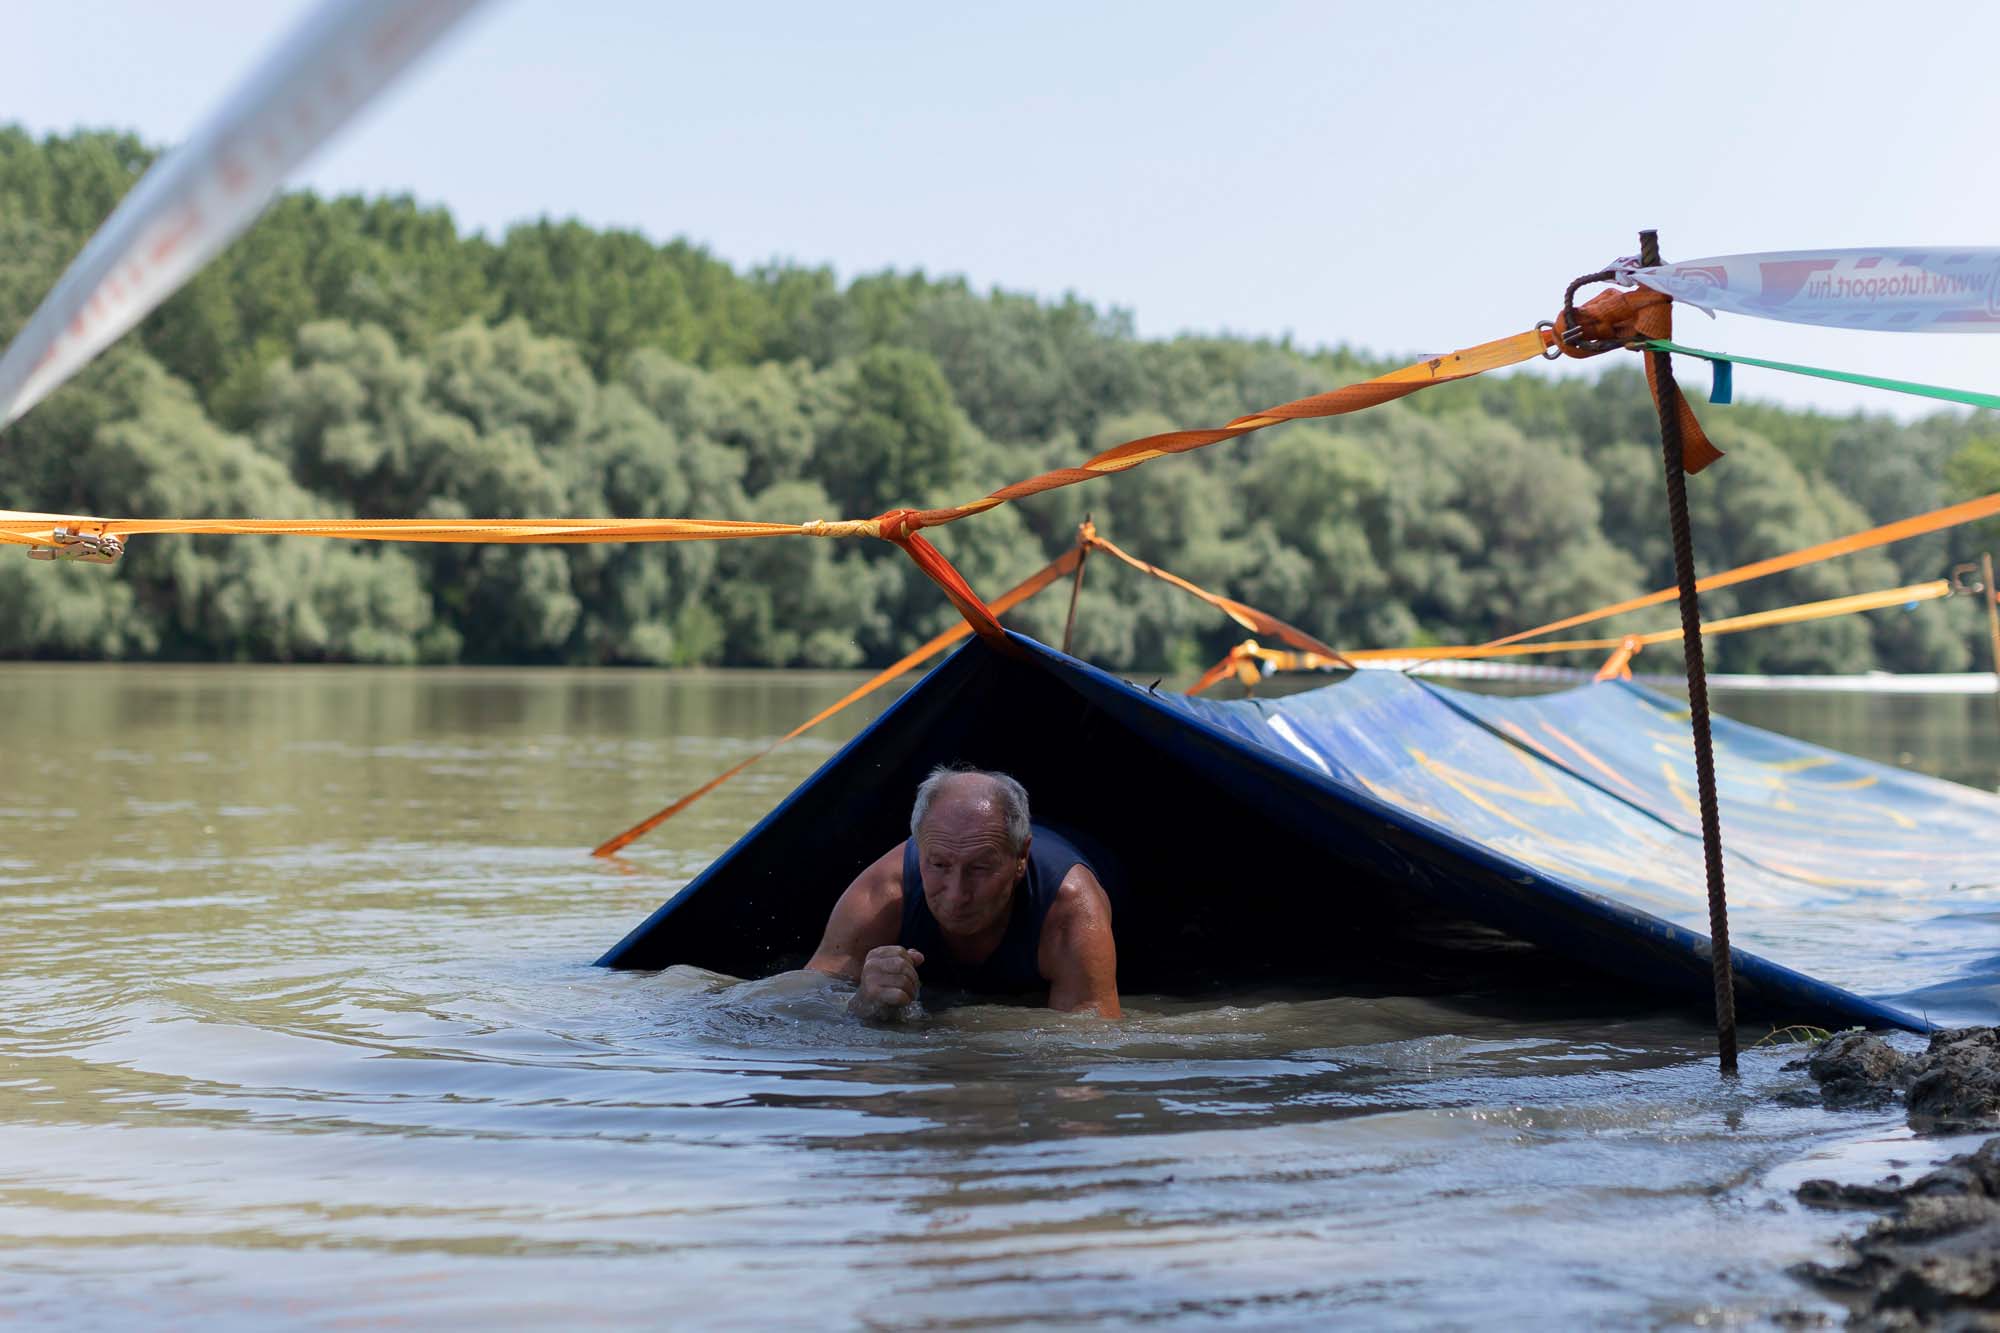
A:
(894, 525)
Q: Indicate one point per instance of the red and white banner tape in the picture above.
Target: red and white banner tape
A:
(198, 197)
(1940, 290)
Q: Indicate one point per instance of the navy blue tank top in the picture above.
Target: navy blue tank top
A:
(1012, 967)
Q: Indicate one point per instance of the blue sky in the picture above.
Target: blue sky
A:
(1406, 178)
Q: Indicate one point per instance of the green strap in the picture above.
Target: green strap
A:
(1965, 396)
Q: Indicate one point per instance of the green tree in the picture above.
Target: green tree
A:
(361, 357)
(137, 442)
(607, 292)
(1971, 472)
(899, 435)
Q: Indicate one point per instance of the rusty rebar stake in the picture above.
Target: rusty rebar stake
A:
(1076, 584)
(1667, 400)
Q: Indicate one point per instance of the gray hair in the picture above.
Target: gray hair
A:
(1010, 796)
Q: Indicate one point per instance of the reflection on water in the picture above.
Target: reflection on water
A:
(1955, 736)
(299, 1029)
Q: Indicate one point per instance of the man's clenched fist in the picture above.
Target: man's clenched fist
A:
(888, 982)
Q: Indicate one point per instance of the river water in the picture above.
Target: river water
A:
(300, 1030)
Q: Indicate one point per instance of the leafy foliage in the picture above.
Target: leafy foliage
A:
(360, 357)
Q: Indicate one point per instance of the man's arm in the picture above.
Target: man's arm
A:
(860, 941)
(1077, 953)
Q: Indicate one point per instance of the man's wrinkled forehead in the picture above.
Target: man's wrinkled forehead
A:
(968, 808)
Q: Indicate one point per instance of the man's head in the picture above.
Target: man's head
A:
(971, 831)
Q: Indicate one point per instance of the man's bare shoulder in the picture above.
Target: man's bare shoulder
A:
(1080, 907)
(881, 882)
(1080, 891)
(1078, 953)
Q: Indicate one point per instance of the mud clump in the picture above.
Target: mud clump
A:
(1934, 1261)
(1955, 1085)
(1856, 1069)
(1952, 1088)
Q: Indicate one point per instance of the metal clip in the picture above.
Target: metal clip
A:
(1962, 580)
(1571, 332)
(88, 548)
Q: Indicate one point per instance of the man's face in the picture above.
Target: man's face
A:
(969, 870)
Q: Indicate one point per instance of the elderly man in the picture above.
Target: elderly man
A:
(977, 899)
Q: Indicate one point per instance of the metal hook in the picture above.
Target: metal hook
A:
(1572, 331)
(88, 548)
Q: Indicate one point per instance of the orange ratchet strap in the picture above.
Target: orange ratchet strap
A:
(1623, 648)
(1784, 615)
(1249, 617)
(1937, 520)
(1351, 398)
(26, 529)
(897, 525)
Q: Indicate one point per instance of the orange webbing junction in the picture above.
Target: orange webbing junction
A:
(1020, 592)
(1625, 645)
(1618, 666)
(1248, 659)
(941, 571)
(1621, 318)
(1087, 538)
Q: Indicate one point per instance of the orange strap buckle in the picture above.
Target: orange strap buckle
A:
(1619, 318)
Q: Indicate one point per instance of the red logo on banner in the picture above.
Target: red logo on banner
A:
(1786, 278)
(1704, 275)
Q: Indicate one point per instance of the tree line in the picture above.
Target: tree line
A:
(362, 357)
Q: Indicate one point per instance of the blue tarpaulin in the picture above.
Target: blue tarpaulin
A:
(1340, 834)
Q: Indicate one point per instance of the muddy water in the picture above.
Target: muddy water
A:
(297, 1028)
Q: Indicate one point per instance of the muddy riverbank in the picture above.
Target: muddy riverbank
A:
(1932, 1260)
